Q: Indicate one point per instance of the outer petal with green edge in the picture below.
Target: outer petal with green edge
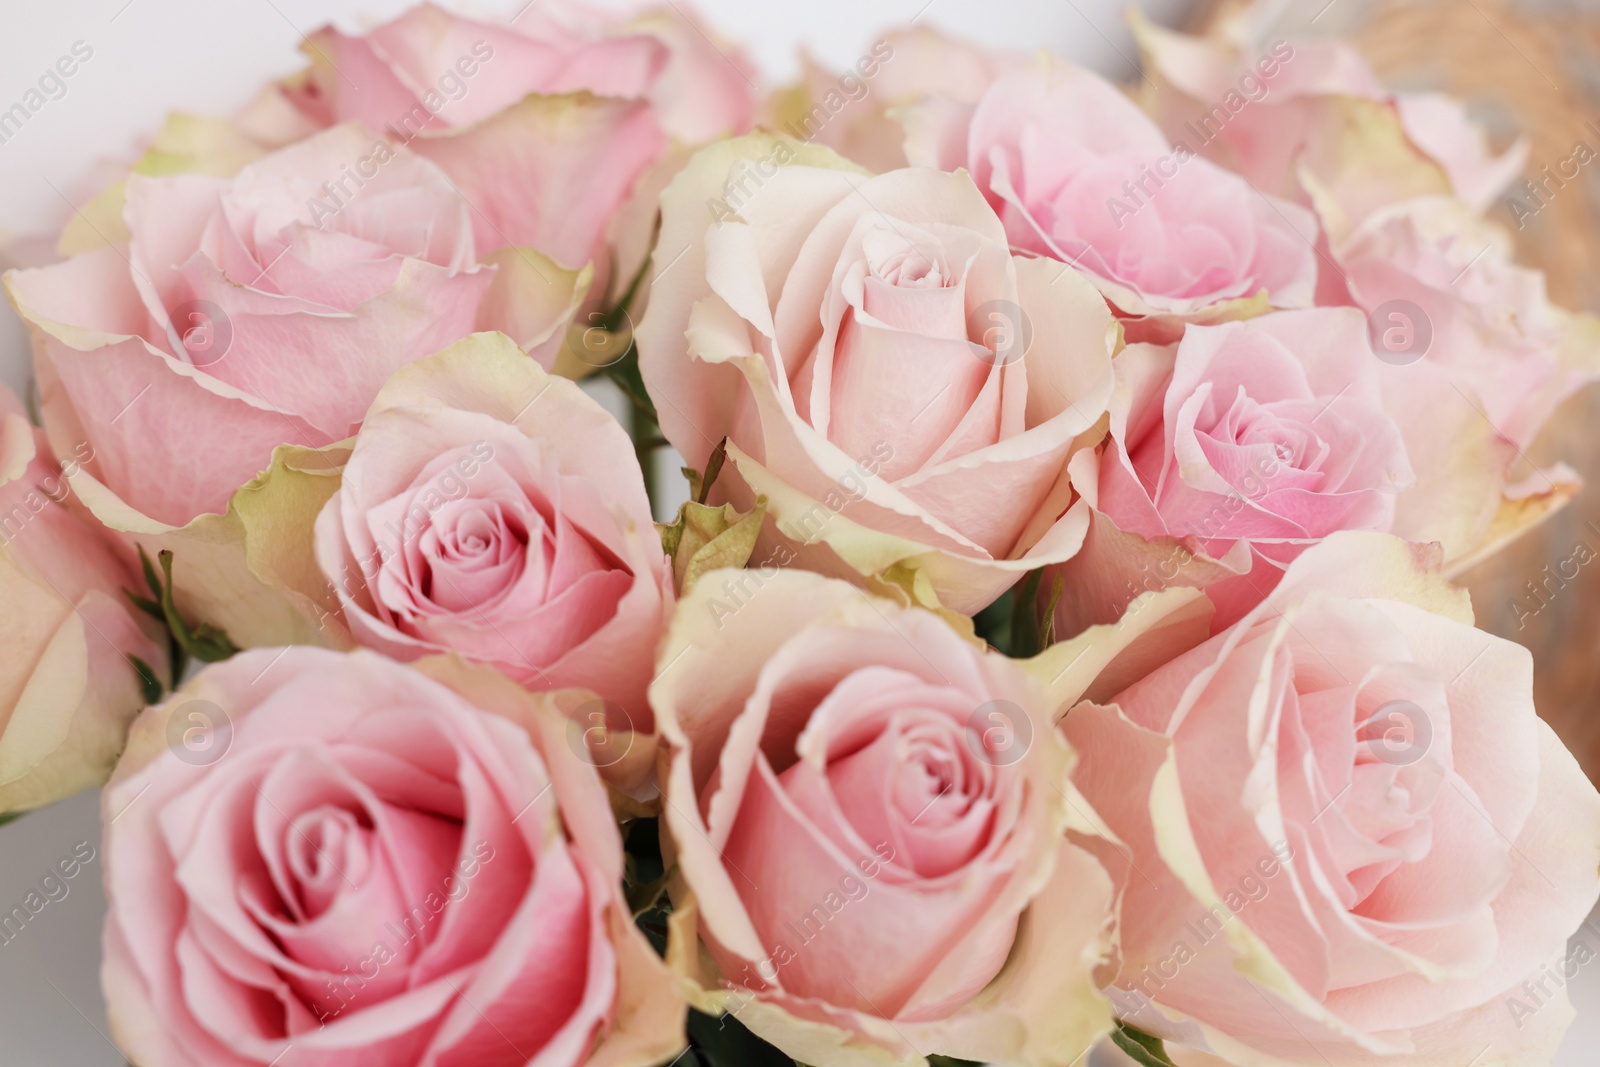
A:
(533, 299)
(185, 144)
(249, 571)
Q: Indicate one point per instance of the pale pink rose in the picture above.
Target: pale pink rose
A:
(899, 386)
(1485, 318)
(1346, 837)
(547, 122)
(1268, 107)
(865, 810)
(1080, 174)
(69, 685)
(1230, 453)
(248, 312)
(316, 858)
(495, 511)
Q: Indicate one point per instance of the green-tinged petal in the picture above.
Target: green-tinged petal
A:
(185, 144)
(1364, 162)
(705, 538)
(248, 572)
(533, 299)
(1103, 660)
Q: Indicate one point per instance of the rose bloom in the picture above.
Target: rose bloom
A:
(867, 817)
(495, 511)
(546, 123)
(1229, 454)
(235, 321)
(1080, 174)
(902, 389)
(1349, 839)
(1489, 320)
(68, 683)
(325, 858)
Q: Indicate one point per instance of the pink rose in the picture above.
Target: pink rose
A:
(902, 389)
(1441, 283)
(1229, 454)
(68, 684)
(1347, 838)
(325, 858)
(495, 511)
(246, 313)
(866, 813)
(545, 123)
(1080, 174)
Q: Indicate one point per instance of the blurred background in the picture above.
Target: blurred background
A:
(1531, 66)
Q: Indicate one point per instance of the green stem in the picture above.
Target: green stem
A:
(646, 439)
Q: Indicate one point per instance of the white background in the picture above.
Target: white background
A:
(151, 56)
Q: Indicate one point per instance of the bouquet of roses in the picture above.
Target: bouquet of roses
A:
(1057, 646)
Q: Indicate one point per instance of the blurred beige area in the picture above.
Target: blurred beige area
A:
(1525, 67)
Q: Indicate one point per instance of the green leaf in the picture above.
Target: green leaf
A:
(148, 682)
(1143, 1049)
(146, 605)
(951, 1061)
(209, 644)
(205, 642)
(11, 816)
(150, 578)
